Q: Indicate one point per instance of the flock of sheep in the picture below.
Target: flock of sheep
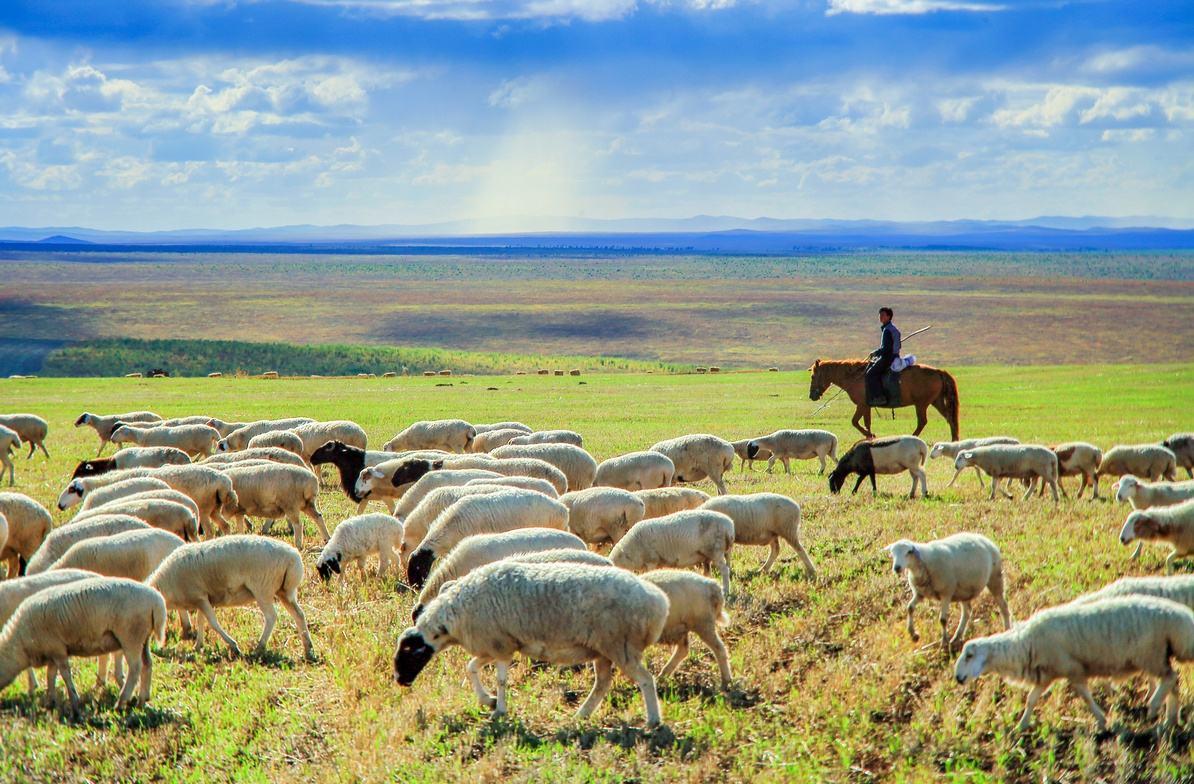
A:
(500, 527)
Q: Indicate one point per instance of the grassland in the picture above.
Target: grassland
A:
(1023, 308)
(828, 685)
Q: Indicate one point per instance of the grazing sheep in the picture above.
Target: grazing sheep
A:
(951, 449)
(1013, 461)
(350, 461)
(418, 522)
(31, 428)
(892, 455)
(1078, 458)
(1180, 444)
(742, 450)
(1172, 524)
(697, 537)
(473, 552)
(239, 439)
(28, 525)
(125, 488)
(1114, 638)
(132, 457)
(514, 466)
(1143, 495)
(272, 490)
(1147, 461)
(786, 445)
(91, 617)
(495, 426)
(224, 427)
(433, 480)
(763, 520)
(17, 590)
(274, 454)
(132, 554)
(548, 437)
(602, 515)
(9, 442)
(669, 500)
(577, 465)
(954, 569)
(104, 425)
(234, 571)
(636, 471)
(483, 514)
(316, 434)
(699, 456)
(696, 604)
(278, 439)
(389, 480)
(1178, 589)
(60, 539)
(358, 537)
(180, 519)
(450, 435)
(492, 439)
(523, 482)
(195, 440)
(559, 613)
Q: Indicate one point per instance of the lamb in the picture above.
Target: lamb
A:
(1013, 461)
(419, 521)
(697, 537)
(577, 465)
(358, 537)
(350, 461)
(278, 439)
(495, 426)
(234, 571)
(602, 515)
(125, 488)
(104, 425)
(560, 613)
(433, 480)
(892, 455)
(273, 490)
(764, 519)
(60, 540)
(1115, 638)
(548, 437)
(483, 514)
(9, 442)
(208, 488)
(1172, 524)
(132, 554)
(1180, 444)
(669, 500)
(492, 439)
(785, 445)
(524, 482)
(1078, 458)
(31, 428)
(450, 435)
(473, 552)
(389, 480)
(699, 456)
(514, 466)
(951, 449)
(1147, 461)
(239, 439)
(636, 471)
(225, 427)
(696, 604)
(180, 519)
(954, 569)
(15, 591)
(316, 434)
(28, 525)
(195, 440)
(742, 450)
(132, 457)
(274, 454)
(91, 617)
(1143, 495)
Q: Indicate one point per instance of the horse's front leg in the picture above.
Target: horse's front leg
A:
(922, 418)
(867, 419)
(859, 413)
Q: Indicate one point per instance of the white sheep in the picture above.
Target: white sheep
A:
(28, 525)
(358, 537)
(699, 456)
(697, 537)
(548, 437)
(31, 428)
(10, 442)
(278, 439)
(1142, 495)
(125, 488)
(492, 439)
(316, 434)
(636, 471)
(742, 450)
(275, 454)
(433, 480)
(103, 425)
(168, 515)
(764, 520)
(132, 554)
(15, 591)
(239, 439)
(522, 482)
(1181, 444)
(1078, 458)
(1147, 461)
(514, 466)
(954, 569)
(132, 457)
(60, 539)
(271, 490)
(1171, 524)
(225, 427)
(195, 440)
(418, 522)
(601, 515)
(234, 571)
(495, 426)
(1013, 461)
(483, 514)
(662, 501)
(893, 455)
(951, 449)
(1178, 589)
(450, 435)
(92, 617)
(696, 605)
(787, 445)
(577, 465)
(1113, 638)
(559, 613)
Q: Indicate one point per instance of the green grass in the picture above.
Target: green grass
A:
(828, 685)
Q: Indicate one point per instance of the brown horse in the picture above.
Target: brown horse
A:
(920, 385)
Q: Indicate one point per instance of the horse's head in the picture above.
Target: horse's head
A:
(819, 383)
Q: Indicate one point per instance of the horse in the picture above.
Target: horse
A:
(920, 385)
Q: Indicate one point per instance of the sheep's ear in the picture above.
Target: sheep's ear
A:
(889, 548)
(968, 455)
(914, 550)
(437, 465)
(373, 472)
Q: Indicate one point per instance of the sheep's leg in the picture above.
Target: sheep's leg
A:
(12, 477)
(858, 484)
(42, 446)
(134, 676)
(1169, 562)
(1082, 486)
(979, 473)
(209, 615)
(1006, 492)
(1095, 483)
(803, 555)
(603, 672)
(678, 655)
(290, 602)
(503, 682)
(874, 487)
(723, 569)
(51, 695)
(296, 527)
(1030, 706)
(32, 449)
(270, 614)
(821, 458)
(101, 671)
(960, 634)
(384, 555)
(994, 487)
(103, 443)
(710, 637)
(312, 511)
(787, 465)
(635, 670)
(146, 673)
(721, 485)
(32, 676)
(361, 506)
(945, 625)
(772, 556)
(1083, 691)
(911, 624)
(1139, 548)
(184, 622)
(473, 668)
(1052, 486)
(1032, 486)
(770, 463)
(1166, 685)
(63, 665)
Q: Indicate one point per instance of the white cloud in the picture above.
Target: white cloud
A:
(1128, 135)
(490, 10)
(513, 93)
(893, 7)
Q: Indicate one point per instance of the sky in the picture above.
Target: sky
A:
(233, 113)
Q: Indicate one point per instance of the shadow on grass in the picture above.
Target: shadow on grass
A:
(98, 712)
(683, 689)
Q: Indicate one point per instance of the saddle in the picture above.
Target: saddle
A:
(891, 383)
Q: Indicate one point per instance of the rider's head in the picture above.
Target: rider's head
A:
(885, 315)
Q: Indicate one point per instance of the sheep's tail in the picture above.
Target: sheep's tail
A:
(159, 622)
(718, 601)
(1181, 642)
(469, 438)
(951, 404)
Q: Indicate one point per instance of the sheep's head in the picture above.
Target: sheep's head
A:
(84, 419)
(972, 661)
(419, 566)
(904, 555)
(121, 433)
(365, 480)
(1125, 488)
(329, 565)
(837, 477)
(964, 460)
(413, 470)
(1142, 525)
(414, 651)
(222, 445)
(92, 467)
(937, 450)
(72, 495)
(752, 449)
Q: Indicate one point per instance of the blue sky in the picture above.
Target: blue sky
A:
(231, 113)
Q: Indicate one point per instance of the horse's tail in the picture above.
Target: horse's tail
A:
(949, 400)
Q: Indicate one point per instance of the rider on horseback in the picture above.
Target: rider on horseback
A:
(881, 358)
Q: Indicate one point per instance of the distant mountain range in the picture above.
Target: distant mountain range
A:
(701, 233)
